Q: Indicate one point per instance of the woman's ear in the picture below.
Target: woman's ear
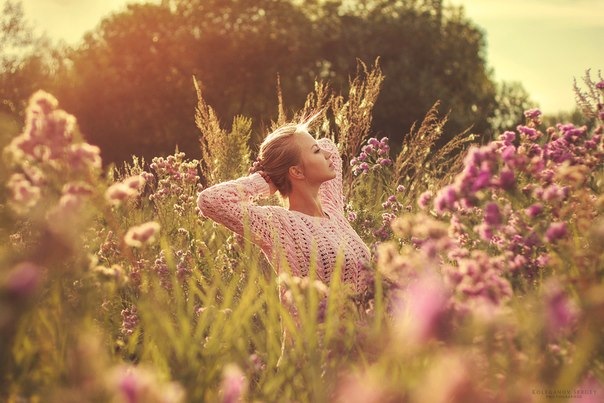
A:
(295, 172)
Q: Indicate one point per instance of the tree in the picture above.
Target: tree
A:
(427, 53)
(512, 100)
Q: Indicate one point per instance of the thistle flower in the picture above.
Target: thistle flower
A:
(139, 235)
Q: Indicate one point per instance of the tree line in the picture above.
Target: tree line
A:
(130, 80)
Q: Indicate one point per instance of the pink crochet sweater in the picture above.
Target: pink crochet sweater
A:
(291, 237)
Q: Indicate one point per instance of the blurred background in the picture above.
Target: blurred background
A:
(125, 68)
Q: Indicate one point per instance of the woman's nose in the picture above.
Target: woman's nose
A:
(327, 154)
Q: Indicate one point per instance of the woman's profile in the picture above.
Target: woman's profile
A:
(312, 229)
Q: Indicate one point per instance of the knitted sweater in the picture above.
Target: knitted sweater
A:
(291, 237)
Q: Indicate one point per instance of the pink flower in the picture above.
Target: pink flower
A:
(139, 235)
(234, 384)
(507, 179)
(24, 194)
(534, 210)
(424, 199)
(135, 182)
(560, 311)
(119, 192)
(555, 231)
(23, 280)
(84, 156)
(492, 214)
(421, 315)
(532, 113)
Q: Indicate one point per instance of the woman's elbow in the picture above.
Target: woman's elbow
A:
(204, 203)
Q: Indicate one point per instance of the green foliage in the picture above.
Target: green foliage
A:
(128, 81)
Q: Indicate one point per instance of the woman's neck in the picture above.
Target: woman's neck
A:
(306, 202)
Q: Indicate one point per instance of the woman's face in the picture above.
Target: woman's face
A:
(315, 162)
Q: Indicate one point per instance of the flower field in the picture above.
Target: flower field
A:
(488, 266)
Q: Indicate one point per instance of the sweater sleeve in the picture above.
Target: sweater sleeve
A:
(230, 203)
(331, 191)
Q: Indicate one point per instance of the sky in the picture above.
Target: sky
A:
(543, 44)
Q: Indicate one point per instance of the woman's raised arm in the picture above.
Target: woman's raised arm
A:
(231, 204)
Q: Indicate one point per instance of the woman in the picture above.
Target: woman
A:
(312, 229)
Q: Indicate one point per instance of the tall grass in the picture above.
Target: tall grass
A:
(488, 267)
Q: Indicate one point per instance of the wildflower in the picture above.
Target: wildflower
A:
(84, 156)
(139, 385)
(534, 210)
(119, 192)
(421, 315)
(531, 133)
(24, 194)
(445, 199)
(507, 137)
(492, 214)
(600, 85)
(400, 188)
(130, 320)
(560, 311)
(385, 162)
(555, 231)
(507, 179)
(23, 280)
(532, 113)
(139, 235)
(135, 182)
(234, 384)
(352, 216)
(424, 199)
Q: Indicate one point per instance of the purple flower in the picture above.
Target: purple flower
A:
(531, 133)
(373, 141)
(555, 231)
(400, 188)
(532, 113)
(492, 214)
(482, 180)
(600, 85)
(385, 162)
(507, 137)
(421, 315)
(534, 210)
(507, 179)
(560, 311)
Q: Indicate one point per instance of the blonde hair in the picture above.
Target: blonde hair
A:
(278, 153)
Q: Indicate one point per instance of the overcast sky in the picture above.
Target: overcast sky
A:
(543, 44)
